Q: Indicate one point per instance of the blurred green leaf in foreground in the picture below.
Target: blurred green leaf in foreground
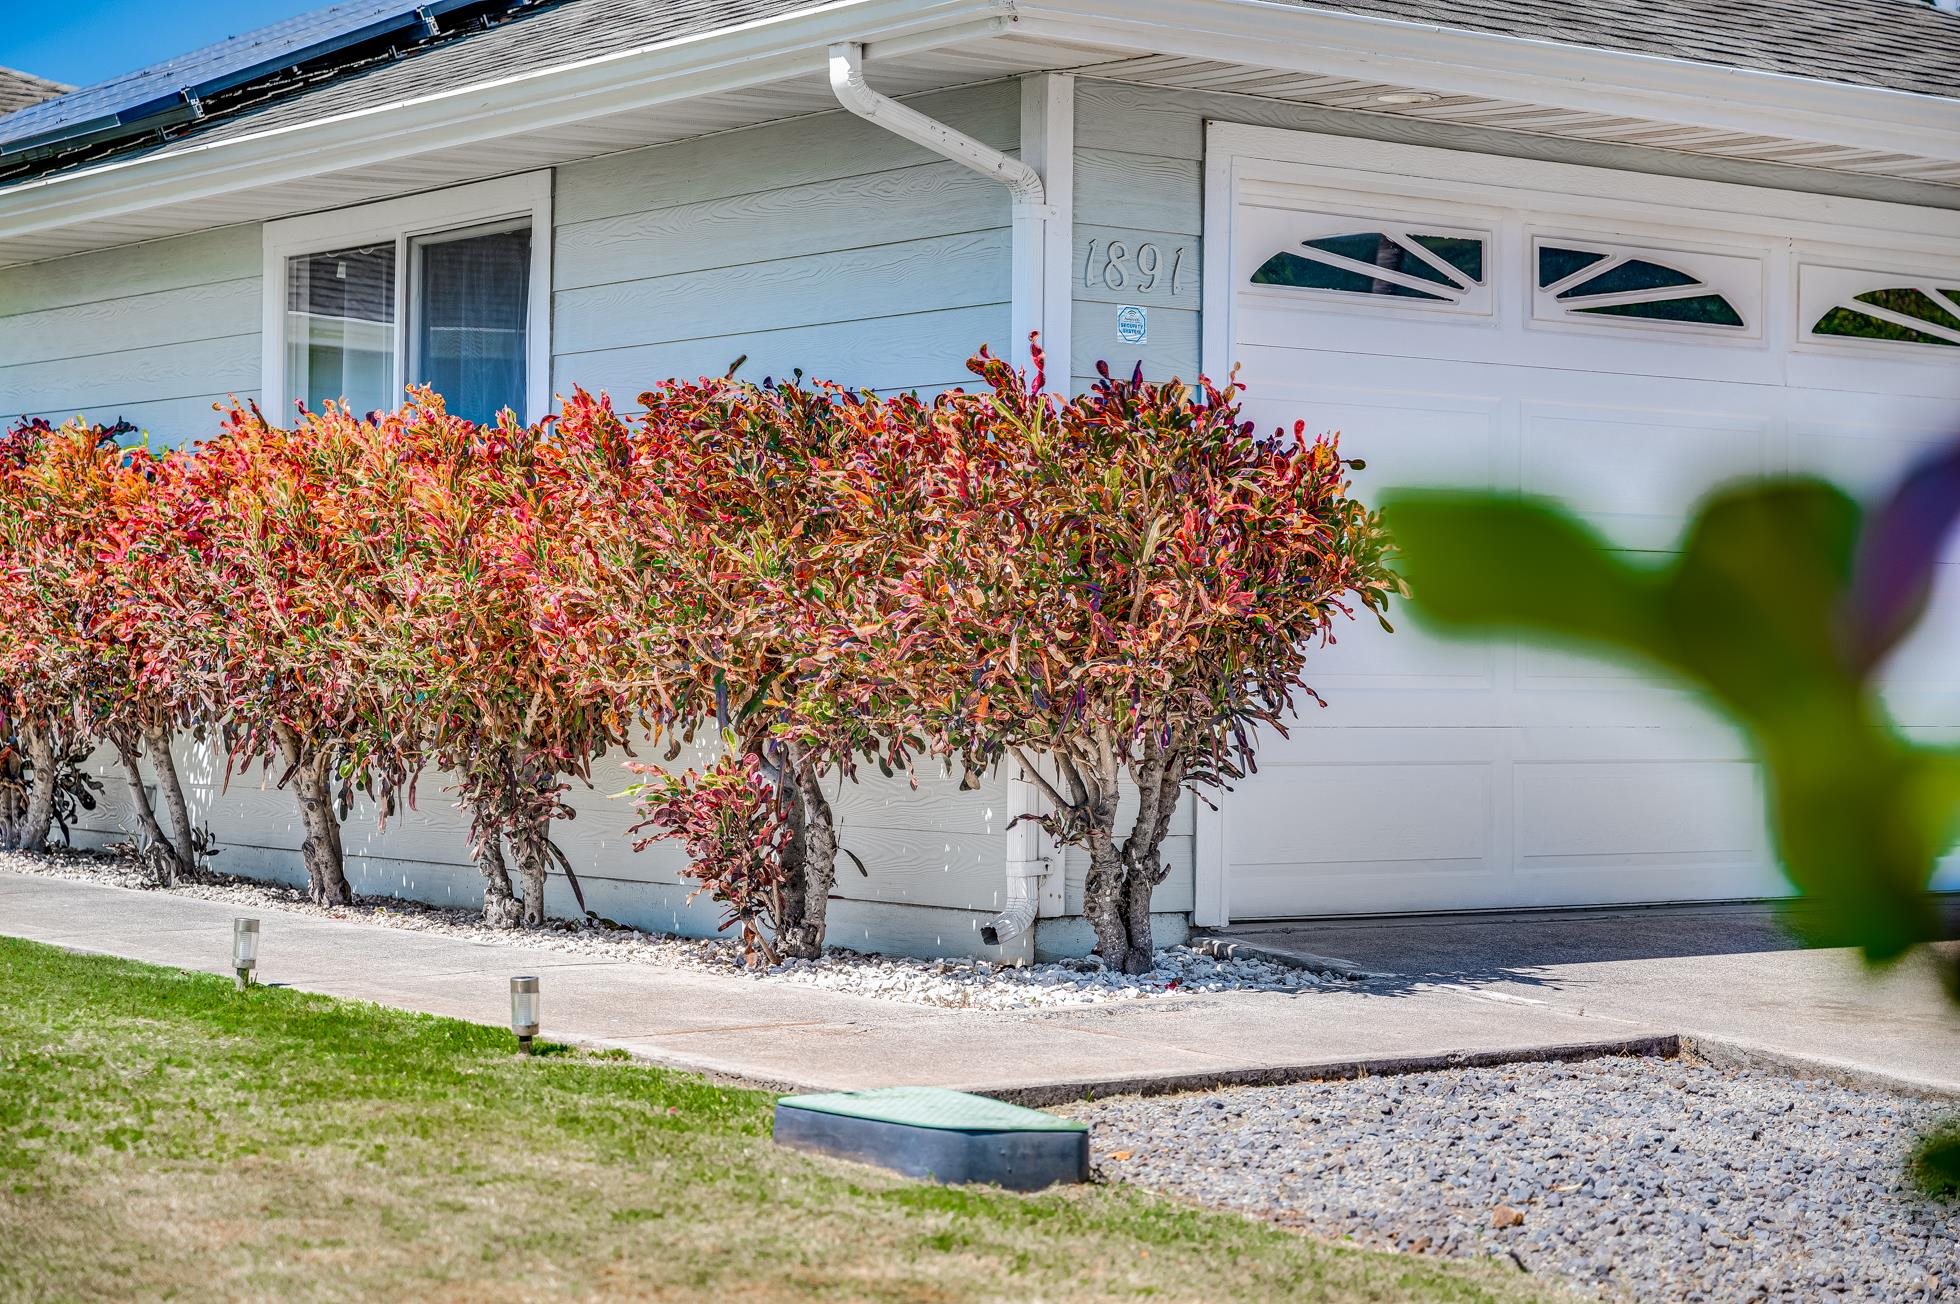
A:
(1780, 605)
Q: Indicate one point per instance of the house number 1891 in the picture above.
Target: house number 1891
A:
(1119, 265)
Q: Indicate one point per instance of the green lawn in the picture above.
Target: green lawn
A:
(163, 1136)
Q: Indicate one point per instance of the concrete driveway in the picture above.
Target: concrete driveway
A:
(1730, 973)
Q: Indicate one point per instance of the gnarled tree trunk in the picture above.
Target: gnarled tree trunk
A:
(170, 787)
(326, 876)
(38, 818)
(812, 860)
(500, 905)
(171, 868)
(1123, 874)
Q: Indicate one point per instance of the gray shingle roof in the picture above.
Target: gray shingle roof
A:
(20, 89)
(1898, 44)
(565, 33)
(1902, 45)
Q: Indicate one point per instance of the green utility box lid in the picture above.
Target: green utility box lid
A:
(935, 1108)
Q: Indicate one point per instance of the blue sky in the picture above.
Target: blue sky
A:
(85, 41)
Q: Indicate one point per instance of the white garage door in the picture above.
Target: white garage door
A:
(1619, 342)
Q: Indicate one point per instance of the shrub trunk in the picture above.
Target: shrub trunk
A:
(170, 787)
(38, 816)
(500, 904)
(163, 855)
(812, 860)
(1123, 873)
(326, 875)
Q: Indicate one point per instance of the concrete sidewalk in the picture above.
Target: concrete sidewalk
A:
(790, 1036)
(1718, 973)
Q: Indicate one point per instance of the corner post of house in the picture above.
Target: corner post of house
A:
(1044, 236)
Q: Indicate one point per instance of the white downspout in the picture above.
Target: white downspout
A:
(1026, 866)
(847, 82)
(1041, 231)
(1037, 227)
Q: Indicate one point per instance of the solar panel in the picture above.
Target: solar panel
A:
(168, 92)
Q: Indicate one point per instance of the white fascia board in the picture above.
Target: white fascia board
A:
(752, 54)
(1452, 61)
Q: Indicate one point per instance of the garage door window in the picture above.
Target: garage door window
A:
(1592, 282)
(1411, 266)
(1900, 314)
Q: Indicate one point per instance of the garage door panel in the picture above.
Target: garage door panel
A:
(1606, 813)
(1634, 473)
(1500, 773)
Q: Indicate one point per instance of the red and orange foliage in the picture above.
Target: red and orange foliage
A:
(1122, 586)
(79, 663)
(733, 824)
(487, 632)
(1119, 591)
(290, 540)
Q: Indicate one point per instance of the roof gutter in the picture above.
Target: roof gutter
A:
(1257, 32)
(1430, 56)
(733, 58)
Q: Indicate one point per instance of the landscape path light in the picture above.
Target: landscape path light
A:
(524, 1010)
(244, 949)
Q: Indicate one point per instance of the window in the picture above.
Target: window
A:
(1580, 281)
(1899, 314)
(448, 289)
(1408, 265)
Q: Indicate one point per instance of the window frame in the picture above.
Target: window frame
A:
(1739, 275)
(403, 221)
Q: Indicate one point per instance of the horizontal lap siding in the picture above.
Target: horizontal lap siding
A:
(152, 333)
(824, 244)
(828, 245)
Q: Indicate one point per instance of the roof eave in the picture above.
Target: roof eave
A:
(748, 55)
(1290, 37)
(1254, 32)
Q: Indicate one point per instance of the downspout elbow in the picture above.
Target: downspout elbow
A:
(847, 83)
(1023, 903)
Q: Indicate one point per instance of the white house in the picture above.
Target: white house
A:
(1612, 253)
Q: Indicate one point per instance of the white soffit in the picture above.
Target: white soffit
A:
(772, 70)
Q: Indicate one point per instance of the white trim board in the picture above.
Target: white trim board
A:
(398, 221)
(1262, 35)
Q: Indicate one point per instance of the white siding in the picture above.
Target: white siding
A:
(824, 244)
(820, 243)
(154, 333)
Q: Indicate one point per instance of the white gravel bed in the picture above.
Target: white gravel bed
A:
(952, 984)
(1629, 1178)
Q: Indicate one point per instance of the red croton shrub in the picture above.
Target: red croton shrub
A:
(487, 637)
(1121, 587)
(733, 824)
(83, 523)
(714, 597)
(287, 540)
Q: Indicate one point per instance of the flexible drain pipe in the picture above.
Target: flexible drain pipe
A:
(1025, 865)
(848, 84)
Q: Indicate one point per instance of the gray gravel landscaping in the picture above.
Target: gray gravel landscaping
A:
(1632, 1178)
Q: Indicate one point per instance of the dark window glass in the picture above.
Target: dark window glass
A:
(1554, 265)
(1467, 256)
(1856, 325)
(1699, 310)
(471, 319)
(1638, 274)
(1912, 303)
(1382, 252)
(1307, 274)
